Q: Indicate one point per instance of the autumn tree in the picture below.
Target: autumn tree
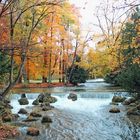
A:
(23, 20)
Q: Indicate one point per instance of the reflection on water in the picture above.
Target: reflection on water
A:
(85, 119)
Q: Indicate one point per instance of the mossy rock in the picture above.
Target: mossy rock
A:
(35, 102)
(35, 114)
(23, 101)
(46, 119)
(33, 131)
(7, 118)
(118, 99)
(22, 111)
(114, 110)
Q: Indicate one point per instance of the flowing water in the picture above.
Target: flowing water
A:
(88, 118)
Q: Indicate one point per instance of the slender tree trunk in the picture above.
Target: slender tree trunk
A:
(28, 70)
(73, 62)
(60, 66)
(50, 59)
(63, 62)
(12, 84)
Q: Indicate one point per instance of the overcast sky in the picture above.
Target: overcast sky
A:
(87, 8)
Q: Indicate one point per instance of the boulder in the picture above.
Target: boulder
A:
(114, 103)
(42, 105)
(46, 108)
(72, 96)
(33, 131)
(133, 104)
(46, 119)
(46, 98)
(9, 106)
(7, 118)
(41, 97)
(7, 101)
(129, 101)
(23, 101)
(35, 114)
(35, 102)
(50, 99)
(15, 116)
(133, 111)
(30, 119)
(118, 99)
(114, 110)
(23, 95)
(22, 111)
(138, 107)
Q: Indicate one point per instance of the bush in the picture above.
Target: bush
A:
(129, 78)
(78, 75)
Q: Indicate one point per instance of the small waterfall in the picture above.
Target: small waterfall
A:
(87, 102)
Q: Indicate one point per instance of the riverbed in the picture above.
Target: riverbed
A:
(88, 118)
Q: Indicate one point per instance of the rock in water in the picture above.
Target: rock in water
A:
(33, 131)
(133, 111)
(35, 102)
(7, 118)
(22, 111)
(118, 99)
(41, 97)
(46, 119)
(46, 98)
(46, 108)
(72, 96)
(35, 114)
(23, 95)
(114, 110)
(23, 101)
(129, 101)
(30, 119)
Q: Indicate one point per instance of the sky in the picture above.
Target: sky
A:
(87, 8)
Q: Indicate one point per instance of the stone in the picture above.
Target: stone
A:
(114, 103)
(23, 95)
(46, 119)
(30, 119)
(9, 106)
(7, 101)
(35, 114)
(133, 111)
(7, 118)
(15, 116)
(41, 97)
(46, 98)
(22, 111)
(52, 100)
(129, 101)
(23, 101)
(118, 99)
(35, 102)
(46, 108)
(45, 104)
(33, 131)
(72, 96)
(114, 110)
(133, 104)
(138, 107)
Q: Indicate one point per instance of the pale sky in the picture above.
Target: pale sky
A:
(87, 8)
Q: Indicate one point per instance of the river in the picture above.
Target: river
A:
(88, 118)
